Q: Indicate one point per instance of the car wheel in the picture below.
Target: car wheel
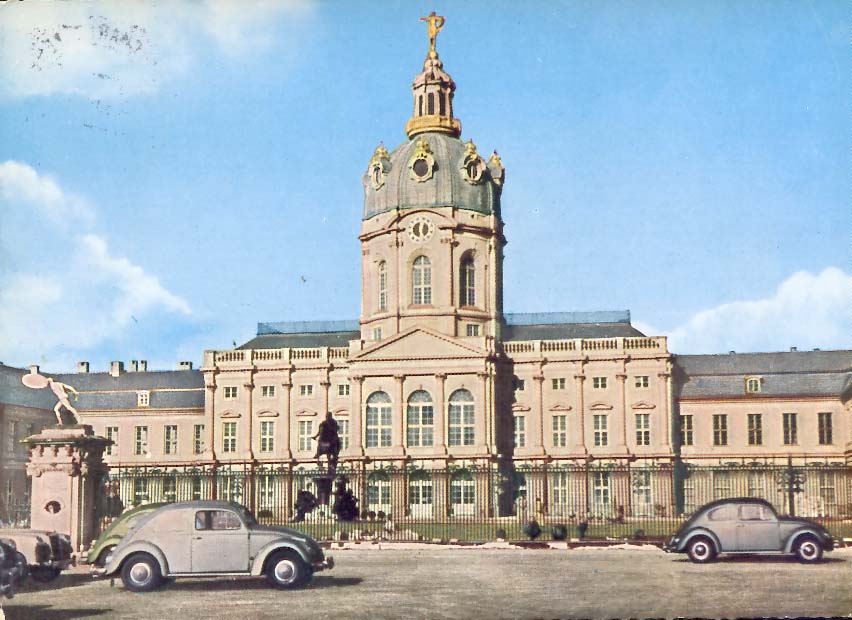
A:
(808, 550)
(285, 569)
(44, 574)
(701, 550)
(141, 573)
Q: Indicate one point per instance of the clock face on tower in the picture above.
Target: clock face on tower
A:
(421, 229)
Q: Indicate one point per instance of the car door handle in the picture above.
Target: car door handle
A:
(740, 524)
(196, 538)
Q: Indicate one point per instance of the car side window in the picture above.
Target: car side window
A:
(723, 513)
(217, 520)
(753, 512)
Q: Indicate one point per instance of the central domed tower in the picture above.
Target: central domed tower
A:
(432, 236)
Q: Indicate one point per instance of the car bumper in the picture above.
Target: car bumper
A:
(325, 564)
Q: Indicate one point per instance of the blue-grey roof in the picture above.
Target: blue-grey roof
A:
(127, 400)
(153, 380)
(297, 341)
(446, 188)
(566, 331)
(13, 392)
(794, 373)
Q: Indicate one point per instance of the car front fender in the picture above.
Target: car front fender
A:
(276, 545)
(699, 531)
(120, 554)
(790, 544)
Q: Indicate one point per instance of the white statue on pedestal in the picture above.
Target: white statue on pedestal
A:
(37, 381)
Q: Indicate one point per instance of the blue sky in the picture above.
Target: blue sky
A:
(172, 173)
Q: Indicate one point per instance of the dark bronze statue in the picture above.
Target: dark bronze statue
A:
(328, 441)
(345, 503)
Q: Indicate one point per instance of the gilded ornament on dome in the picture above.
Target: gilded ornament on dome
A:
(379, 166)
(498, 172)
(422, 164)
(473, 166)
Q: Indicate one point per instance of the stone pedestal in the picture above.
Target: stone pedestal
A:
(66, 466)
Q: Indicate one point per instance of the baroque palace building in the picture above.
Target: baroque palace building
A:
(579, 411)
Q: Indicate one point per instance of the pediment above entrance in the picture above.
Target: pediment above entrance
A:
(418, 343)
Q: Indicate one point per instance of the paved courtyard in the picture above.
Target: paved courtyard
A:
(463, 583)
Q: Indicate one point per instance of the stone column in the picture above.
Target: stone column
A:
(665, 391)
(284, 403)
(248, 452)
(66, 466)
(210, 419)
(536, 430)
(441, 414)
(398, 426)
(622, 399)
(481, 437)
(581, 411)
(325, 384)
(356, 434)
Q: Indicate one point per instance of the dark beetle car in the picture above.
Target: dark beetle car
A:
(748, 526)
(13, 569)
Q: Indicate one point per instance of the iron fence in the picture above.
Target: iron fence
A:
(594, 500)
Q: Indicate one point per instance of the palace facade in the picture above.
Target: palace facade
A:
(435, 376)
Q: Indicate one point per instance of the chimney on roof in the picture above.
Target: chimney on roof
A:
(82, 367)
(793, 349)
(731, 352)
(143, 365)
(34, 369)
(184, 365)
(116, 368)
(134, 366)
(816, 349)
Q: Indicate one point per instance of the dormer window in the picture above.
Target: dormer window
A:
(143, 398)
(752, 385)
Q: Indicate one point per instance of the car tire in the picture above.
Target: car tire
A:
(808, 550)
(44, 574)
(286, 570)
(141, 573)
(701, 550)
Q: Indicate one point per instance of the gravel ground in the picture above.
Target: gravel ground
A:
(476, 583)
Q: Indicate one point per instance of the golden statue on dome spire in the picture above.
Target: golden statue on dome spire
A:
(436, 22)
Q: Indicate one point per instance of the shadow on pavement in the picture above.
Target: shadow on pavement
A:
(255, 584)
(763, 559)
(60, 583)
(45, 612)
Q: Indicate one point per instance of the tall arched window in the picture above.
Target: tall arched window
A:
(420, 418)
(461, 419)
(421, 281)
(430, 103)
(378, 423)
(383, 286)
(467, 282)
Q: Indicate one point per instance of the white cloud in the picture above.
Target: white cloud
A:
(78, 295)
(126, 47)
(806, 311)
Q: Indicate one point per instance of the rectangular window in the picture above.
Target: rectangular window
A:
(825, 429)
(560, 431)
(170, 439)
(599, 424)
(198, 439)
(143, 398)
(377, 333)
(461, 427)
(642, 504)
(112, 434)
(306, 390)
(755, 429)
(169, 489)
(140, 490)
(420, 420)
(140, 444)
(827, 493)
(197, 487)
(230, 392)
(519, 384)
(343, 389)
(378, 425)
(462, 496)
(642, 381)
(686, 437)
(229, 437)
(558, 383)
(305, 432)
(11, 434)
(343, 433)
(721, 484)
(643, 429)
(559, 489)
(720, 429)
(267, 436)
(599, 383)
(472, 329)
(267, 391)
(756, 484)
(601, 492)
(790, 429)
(519, 426)
(753, 384)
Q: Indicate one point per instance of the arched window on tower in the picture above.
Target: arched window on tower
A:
(421, 281)
(420, 105)
(467, 282)
(420, 419)
(430, 103)
(442, 105)
(383, 286)
(461, 419)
